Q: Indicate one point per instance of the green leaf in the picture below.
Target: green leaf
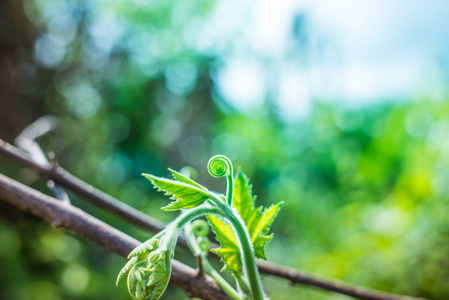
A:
(187, 195)
(229, 249)
(179, 177)
(125, 270)
(257, 220)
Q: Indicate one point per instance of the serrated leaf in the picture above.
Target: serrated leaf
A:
(125, 270)
(259, 230)
(229, 250)
(187, 195)
(257, 220)
(179, 177)
(146, 247)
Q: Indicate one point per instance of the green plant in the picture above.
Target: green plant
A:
(240, 227)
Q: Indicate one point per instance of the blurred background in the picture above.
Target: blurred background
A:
(338, 109)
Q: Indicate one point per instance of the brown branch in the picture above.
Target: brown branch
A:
(332, 285)
(26, 140)
(88, 227)
(119, 208)
(95, 196)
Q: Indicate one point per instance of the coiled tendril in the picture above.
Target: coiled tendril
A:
(200, 229)
(220, 166)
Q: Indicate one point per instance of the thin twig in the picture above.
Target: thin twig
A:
(97, 197)
(88, 227)
(333, 285)
(26, 140)
(136, 217)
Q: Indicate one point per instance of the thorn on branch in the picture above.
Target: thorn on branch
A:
(54, 164)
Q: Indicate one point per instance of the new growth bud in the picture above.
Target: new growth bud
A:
(148, 270)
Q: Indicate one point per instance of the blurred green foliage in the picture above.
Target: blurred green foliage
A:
(365, 189)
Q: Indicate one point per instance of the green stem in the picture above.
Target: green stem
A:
(247, 251)
(230, 189)
(173, 230)
(226, 287)
(248, 257)
(243, 284)
(230, 181)
(225, 211)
